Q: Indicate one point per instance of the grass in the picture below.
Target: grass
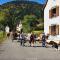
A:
(2, 36)
(38, 32)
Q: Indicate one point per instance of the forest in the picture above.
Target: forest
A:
(31, 14)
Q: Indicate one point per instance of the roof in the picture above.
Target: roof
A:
(45, 4)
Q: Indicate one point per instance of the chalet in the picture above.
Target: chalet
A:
(52, 19)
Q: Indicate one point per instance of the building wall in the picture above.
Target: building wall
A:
(48, 21)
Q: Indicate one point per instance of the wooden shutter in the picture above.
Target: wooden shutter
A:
(57, 10)
(50, 13)
(50, 30)
(57, 29)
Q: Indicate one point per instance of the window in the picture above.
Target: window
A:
(54, 12)
(54, 30)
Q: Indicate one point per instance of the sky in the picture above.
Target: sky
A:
(4, 1)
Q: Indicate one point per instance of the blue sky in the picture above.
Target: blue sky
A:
(39, 1)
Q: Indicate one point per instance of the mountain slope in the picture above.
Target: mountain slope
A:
(15, 11)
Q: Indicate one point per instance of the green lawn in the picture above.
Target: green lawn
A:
(38, 32)
(2, 36)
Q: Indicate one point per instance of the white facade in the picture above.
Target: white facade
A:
(19, 27)
(51, 21)
(7, 29)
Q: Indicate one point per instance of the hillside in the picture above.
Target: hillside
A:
(12, 12)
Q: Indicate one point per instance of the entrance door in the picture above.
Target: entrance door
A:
(54, 29)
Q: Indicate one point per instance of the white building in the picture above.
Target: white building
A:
(52, 19)
(7, 29)
(19, 27)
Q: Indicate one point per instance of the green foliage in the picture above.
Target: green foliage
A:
(2, 15)
(38, 32)
(29, 23)
(2, 36)
(30, 13)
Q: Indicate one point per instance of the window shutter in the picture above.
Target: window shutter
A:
(50, 30)
(57, 29)
(57, 10)
(50, 13)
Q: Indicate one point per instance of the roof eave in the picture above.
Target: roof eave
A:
(45, 4)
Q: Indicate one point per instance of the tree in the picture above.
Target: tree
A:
(2, 19)
(29, 23)
(28, 12)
